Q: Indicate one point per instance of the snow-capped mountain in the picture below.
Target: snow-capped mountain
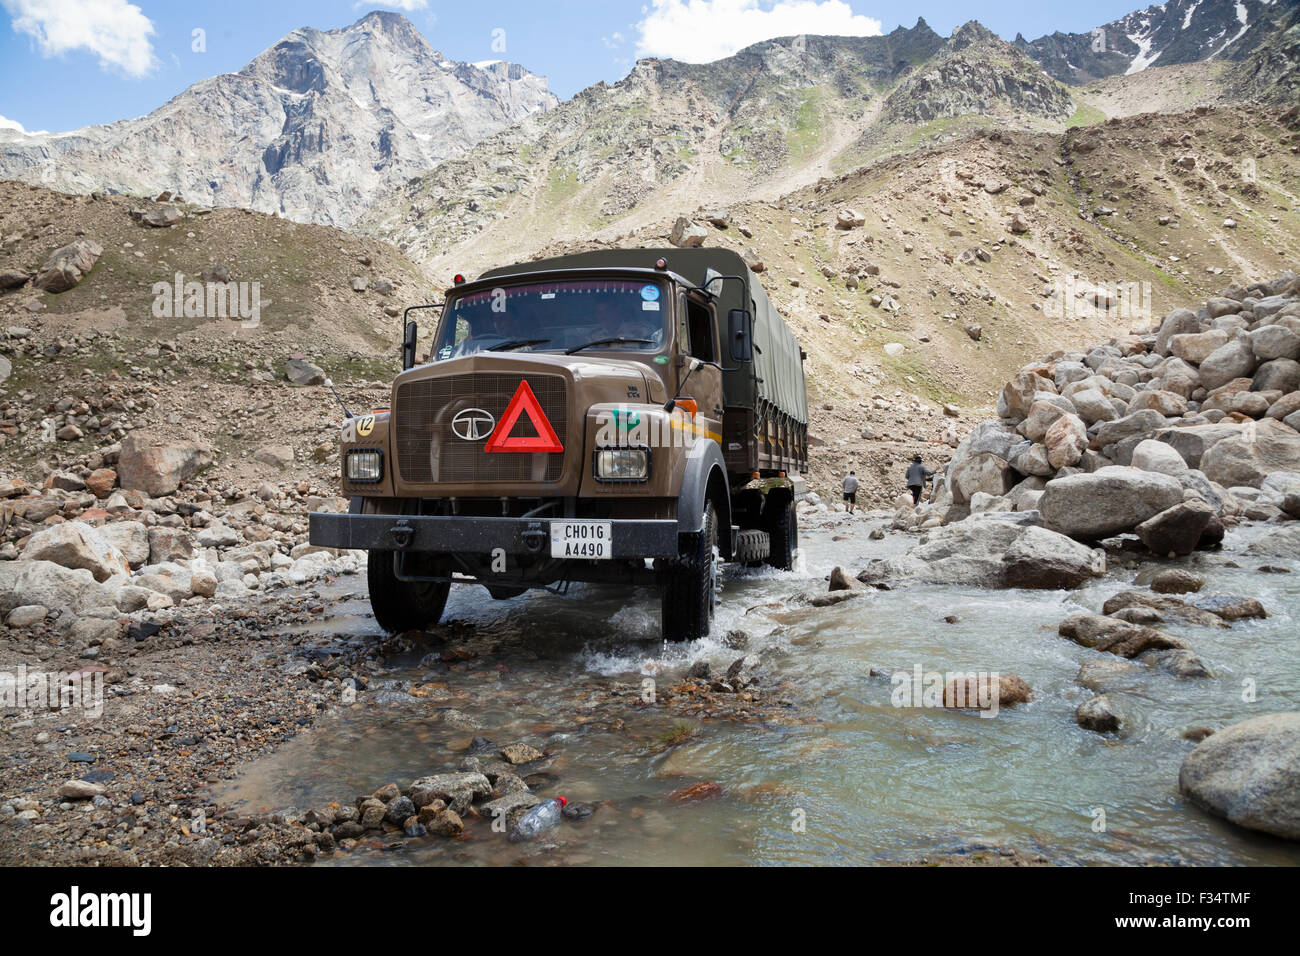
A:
(314, 128)
(1180, 31)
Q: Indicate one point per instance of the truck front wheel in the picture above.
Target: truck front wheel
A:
(690, 587)
(403, 605)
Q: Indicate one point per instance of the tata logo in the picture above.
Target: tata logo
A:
(473, 424)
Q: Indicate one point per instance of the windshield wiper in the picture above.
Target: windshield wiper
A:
(517, 344)
(614, 341)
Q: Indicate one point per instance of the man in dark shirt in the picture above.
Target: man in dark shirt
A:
(917, 476)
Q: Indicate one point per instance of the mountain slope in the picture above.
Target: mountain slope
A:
(313, 128)
(1179, 31)
(775, 116)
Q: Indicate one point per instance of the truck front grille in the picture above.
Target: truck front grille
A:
(429, 452)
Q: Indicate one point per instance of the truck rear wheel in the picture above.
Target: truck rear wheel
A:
(783, 525)
(690, 588)
(403, 605)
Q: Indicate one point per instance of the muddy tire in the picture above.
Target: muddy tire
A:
(783, 525)
(403, 605)
(690, 587)
(753, 547)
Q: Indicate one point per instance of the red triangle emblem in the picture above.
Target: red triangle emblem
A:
(524, 401)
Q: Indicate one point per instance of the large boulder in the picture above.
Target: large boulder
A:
(129, 537)
(1250, 774)
(1169, 404)
(1194, 441)
(68, 266)
(157, 465)
(1114, 636)
(1107, 501)
(1196, 347)
(75, 544)
(1176, 530)
(992, 553)
(1177, 322)
(1252, 454)
(1066, 441)
(1019, 394)
(69, 590)
(303, 373)
(1274, 342)
(1234, 359)
(1039, 558)
(1093, 406)
(1281, 374)
(984, 472)
(1152, 455)
(1142, 422)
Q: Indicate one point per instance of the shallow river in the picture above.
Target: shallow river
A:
(862, 781)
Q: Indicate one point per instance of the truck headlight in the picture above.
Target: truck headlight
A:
(622, 464)
(364, 466)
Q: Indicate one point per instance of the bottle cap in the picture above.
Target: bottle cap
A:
(563, 802)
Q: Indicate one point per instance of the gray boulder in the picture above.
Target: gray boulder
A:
(1248, 457)
(1249, 773)
(1107, 501)
(1233, 360)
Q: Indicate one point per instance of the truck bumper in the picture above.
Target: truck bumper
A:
(529, 536)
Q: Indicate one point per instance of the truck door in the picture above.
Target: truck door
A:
(700, 350)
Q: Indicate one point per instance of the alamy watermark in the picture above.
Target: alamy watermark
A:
(959, 690)
(208, 300)
(35, 690)
(1076, 298)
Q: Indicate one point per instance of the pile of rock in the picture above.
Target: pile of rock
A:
(1165, 434)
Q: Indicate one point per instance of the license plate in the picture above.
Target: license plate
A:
(581, 539)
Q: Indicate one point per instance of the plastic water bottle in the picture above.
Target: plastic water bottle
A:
(539, 818)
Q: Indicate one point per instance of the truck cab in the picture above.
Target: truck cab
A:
(631, 417)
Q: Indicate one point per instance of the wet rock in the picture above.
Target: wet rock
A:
(446, 824)
(1168, 606)
(445, 786)
(1099, 714)
(399, 810)
(1176, 530)
(1107, 501)
(842, 580)
(970, 693)
(1250, 774)
(1231, 608)
(1180, 662)
(520, 753)
(1171, 581)
(1102, 674)
(1114, 636)
(990, 553)
(696, 793)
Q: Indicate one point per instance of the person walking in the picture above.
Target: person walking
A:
(850, 491)
(917, 476)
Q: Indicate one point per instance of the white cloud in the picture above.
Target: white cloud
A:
(116, 31)
(408, 6)
(699, 31)
(14, 125)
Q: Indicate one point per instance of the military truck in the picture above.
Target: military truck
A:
(633, 417)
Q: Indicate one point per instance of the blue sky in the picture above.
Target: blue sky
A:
(71, 63)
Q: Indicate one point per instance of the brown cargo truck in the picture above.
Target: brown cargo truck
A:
(625, 416)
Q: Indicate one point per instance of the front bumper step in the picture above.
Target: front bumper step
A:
(650, 538)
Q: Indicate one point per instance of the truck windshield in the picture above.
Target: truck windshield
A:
(588, 314)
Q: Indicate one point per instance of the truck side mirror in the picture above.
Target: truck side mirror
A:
(740, 332)
(409, 337)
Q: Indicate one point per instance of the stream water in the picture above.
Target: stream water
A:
(861, 780)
